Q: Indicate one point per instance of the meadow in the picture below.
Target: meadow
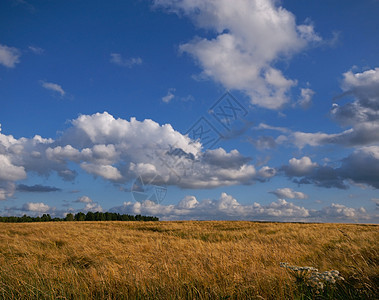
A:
(184, 260)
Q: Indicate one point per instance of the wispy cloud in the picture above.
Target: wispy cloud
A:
(36, 50)
(117, 59)
(53, 87)
(305, 100)
(170, 95)
(24, 4)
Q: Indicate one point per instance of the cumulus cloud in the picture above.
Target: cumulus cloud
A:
(117, 59)
(32, 209)
(362, 114)
(53, 87)
(170, 95)
(147, 149)
(189, 202)
(360, 167)
(84, 199)
(90, 205)
(38, 207)
(339, 212)
(304, 171)
(10, 172)
(288, 193)
(119, 151)
(23, 155)
(105, 171)
(299, 167)
(9, 56)
(364, 88)
(94, 207)
(224, 208)
(250, 36)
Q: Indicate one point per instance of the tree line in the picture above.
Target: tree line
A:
(89, 216)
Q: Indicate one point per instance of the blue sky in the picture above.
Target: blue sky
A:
(253, 110)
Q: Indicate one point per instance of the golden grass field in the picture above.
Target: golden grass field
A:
(181, 260)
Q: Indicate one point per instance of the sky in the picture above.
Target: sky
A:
(191, 110)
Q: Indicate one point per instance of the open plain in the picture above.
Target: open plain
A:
(184, 260)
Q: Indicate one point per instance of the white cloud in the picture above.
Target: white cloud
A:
(20, 156)
(90, 205)
(300, 167)
(250, 37)
(147, 148)
(105, 171)
(10, 172)
(364, 87)
(225, 208)
(339, 211)
(267, 172)
(288, 193)
(362, 114)
(39, 207)
(53, 87)
(169, 96)
(188, 202)
(284, 209)
(366, 82)
(365, 133)
(228, 208)
(117, 59)
(84, 199)
(306, 96)
(61, 154)
(302, 139)
(9, 56)
(275, 128)
(94, 207)
(120, 151)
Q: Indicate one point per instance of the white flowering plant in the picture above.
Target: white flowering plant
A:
(309, 279)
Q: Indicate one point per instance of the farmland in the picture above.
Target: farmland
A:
(183, 260)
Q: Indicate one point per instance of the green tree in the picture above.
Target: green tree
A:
(46, 218)
(90, 216)
(69, 217)
(80, 216)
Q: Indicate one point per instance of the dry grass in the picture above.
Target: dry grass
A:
(180, 260)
